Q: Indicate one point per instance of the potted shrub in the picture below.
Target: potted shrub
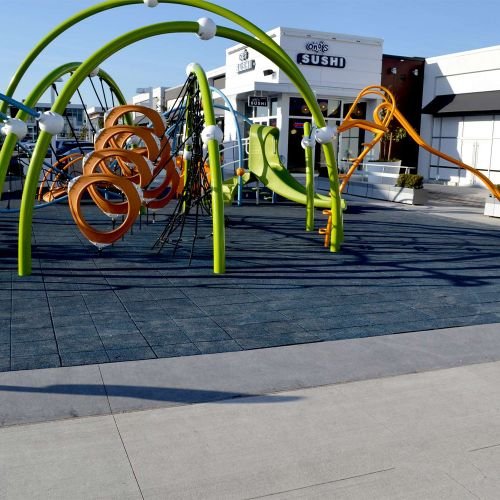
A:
(412, 181)
(412, 186)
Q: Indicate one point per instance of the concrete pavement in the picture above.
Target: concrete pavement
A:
(402, 416)
(427, 435)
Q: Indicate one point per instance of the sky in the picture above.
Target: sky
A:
(423, 28)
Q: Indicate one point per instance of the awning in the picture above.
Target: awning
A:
(474, 103)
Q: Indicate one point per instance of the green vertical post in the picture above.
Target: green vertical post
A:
(309, 181)
(219, 243)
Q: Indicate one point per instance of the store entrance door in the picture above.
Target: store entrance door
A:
(296, 158)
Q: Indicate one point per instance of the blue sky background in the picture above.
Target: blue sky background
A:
(409, 28)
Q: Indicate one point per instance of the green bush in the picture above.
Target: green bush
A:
(412, 181)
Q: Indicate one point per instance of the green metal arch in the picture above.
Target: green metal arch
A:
(146, 32)
(34, 96)
(111, 4)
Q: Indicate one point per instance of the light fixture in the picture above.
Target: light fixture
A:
(415, 72)
(394, 70)
(268, 72)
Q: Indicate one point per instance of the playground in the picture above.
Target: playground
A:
(143, 247)
(313, 344)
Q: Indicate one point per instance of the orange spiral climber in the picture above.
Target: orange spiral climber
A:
(128, 159)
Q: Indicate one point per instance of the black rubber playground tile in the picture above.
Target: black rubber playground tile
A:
(35, 362)
(176, 350)
(399, 270)
(218, 346)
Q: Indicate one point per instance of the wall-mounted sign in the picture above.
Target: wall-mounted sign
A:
(321, 60)
(246, 64)
(318, 47)
(258, 101)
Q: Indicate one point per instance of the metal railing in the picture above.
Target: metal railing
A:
(375, 172)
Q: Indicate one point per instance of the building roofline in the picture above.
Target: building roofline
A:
(406, 58)
(306, 33)
(462, 53)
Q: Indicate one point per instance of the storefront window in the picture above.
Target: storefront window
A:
(298, 107)
(296, 159)
(334, 107)
(347, 146)
(359, 112)
(260, 112)
(330, 108)
(351, 141)
(323, 106)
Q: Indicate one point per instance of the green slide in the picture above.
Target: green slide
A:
(264, 162)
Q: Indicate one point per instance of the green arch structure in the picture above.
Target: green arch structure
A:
(31, 100)
(263, 44)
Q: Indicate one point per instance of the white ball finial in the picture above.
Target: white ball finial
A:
(324, 135)
(151, 3)
(51, 123)
(190, 68)
(307, 142)
(207, 28)
(212, 132)
(16, 127)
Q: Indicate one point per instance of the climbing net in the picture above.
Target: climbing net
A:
(195, 197)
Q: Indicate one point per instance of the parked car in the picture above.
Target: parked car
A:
(63, 148)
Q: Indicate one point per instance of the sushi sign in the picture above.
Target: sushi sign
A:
(319, 58)
(257, 101)
(245, 63)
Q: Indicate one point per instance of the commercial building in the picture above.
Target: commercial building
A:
(74, 125)
(461, 115)
(459, 94)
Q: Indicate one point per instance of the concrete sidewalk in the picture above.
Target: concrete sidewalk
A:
(427, 435)
(397, 416)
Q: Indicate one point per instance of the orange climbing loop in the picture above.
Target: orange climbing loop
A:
(55, 180)
(77, 189)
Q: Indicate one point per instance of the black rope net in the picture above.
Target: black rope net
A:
(195, 199)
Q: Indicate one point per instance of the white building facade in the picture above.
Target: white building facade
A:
(336, 67)
(461, 106)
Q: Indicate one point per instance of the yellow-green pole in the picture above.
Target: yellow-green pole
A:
(219, 239)
(309, 181)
